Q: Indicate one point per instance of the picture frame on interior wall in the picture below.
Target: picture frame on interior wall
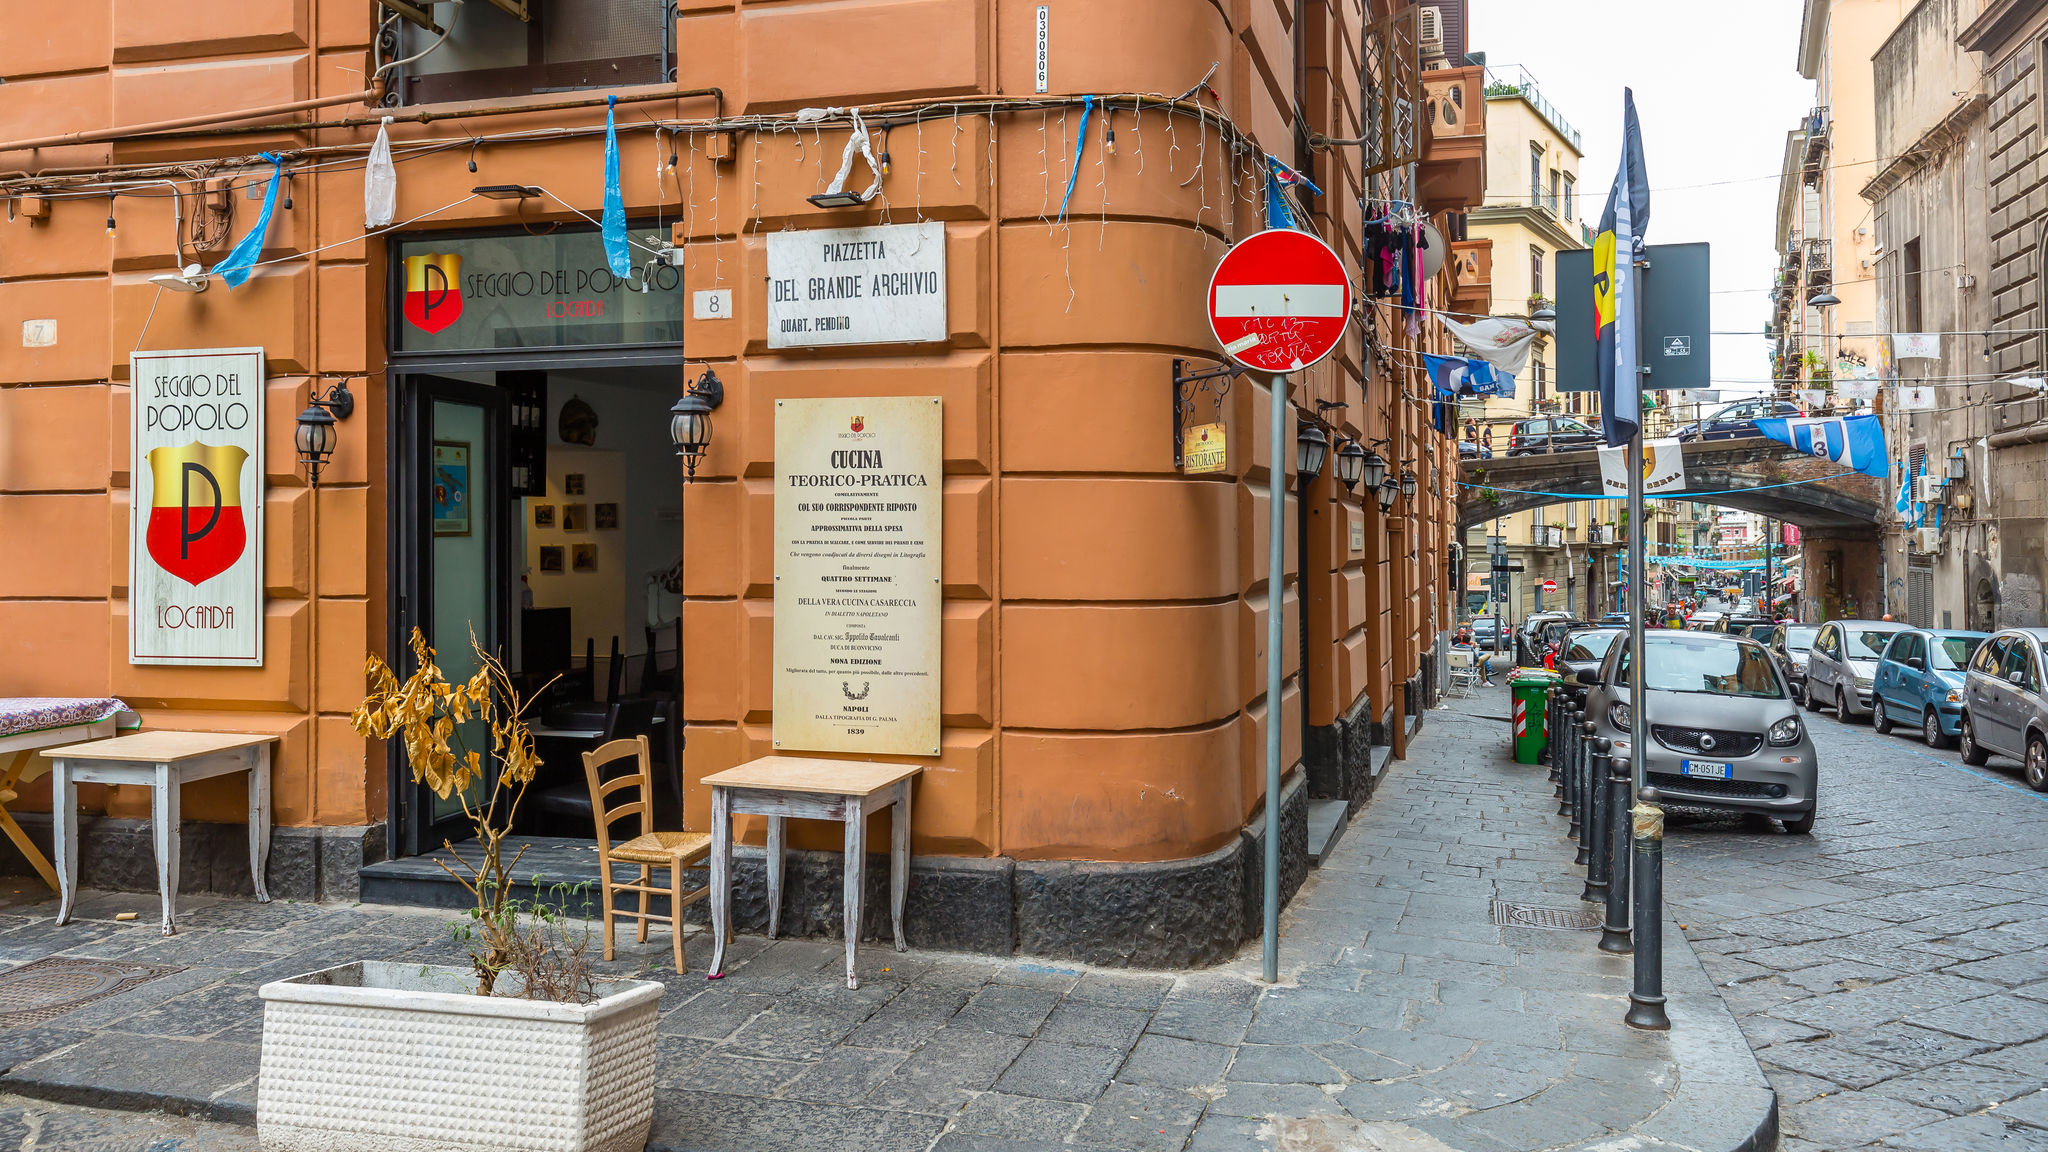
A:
(543, 515)
(585, 557)
(607, 516)
(551, 557)
(575, 517)
(572, 484)
(451, 487)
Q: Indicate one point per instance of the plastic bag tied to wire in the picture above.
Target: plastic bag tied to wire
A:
(380, 182)
(235, 267)
(616, 252)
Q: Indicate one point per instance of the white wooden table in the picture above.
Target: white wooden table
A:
(163, 761)
(810, 788)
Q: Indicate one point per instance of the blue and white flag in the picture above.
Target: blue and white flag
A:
(1457, 376)
(1855, 441)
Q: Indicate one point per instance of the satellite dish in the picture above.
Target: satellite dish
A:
(1436, 253)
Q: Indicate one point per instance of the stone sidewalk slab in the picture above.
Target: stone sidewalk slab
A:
(1404, 1018)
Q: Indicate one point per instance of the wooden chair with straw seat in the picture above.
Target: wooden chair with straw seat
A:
(648, 851)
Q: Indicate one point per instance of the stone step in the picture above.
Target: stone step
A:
(1326, 821)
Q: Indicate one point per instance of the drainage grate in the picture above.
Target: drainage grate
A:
(49, 988)
(1536, 916)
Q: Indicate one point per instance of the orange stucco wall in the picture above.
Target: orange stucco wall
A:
(1104, 623)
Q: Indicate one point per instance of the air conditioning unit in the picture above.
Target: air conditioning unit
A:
(1432, 34)
(1927, 489)
(1927, 539)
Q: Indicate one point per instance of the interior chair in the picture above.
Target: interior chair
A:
(564, 800)
(647, 851)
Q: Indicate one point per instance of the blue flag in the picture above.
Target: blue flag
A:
(1854, 441)
(1458, 376)
(1616, 248)
(615, 251)
(235, 267)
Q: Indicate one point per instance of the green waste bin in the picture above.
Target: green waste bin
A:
(1529, 687)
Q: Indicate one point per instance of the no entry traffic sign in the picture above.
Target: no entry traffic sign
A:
(1279, 301)
(1550, 585)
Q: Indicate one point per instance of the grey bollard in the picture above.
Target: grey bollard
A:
(1646, 998)
(1587, 789)
(1614, 934)
(1600, 831)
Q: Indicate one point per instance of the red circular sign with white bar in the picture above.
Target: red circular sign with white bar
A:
(1279, 301)
(1550, 585)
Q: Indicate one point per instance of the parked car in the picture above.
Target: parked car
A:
(1552, 434)
(1551, 639)
(1703, 620)
(2004, 710)
(1583, 650)
(1790, 643)
(1738, 420)
(1740, 623)
(1920, 682)
(1619, 619)
(1473, 450)
(1723, 732)
(1843, 665)
(1528, 636)
(1485, 629)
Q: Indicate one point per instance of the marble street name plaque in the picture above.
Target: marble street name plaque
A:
(858, 483)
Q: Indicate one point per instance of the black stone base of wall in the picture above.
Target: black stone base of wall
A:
(1339, 756)
(119, 855)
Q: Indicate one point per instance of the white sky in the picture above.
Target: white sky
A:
(1717, 87)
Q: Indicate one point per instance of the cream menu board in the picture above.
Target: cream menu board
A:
(858, 483)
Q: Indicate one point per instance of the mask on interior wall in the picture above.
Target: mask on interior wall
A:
(578, 423)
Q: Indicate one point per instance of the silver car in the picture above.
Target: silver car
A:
(1842, 665)
(1723, 731)
(2005, 711)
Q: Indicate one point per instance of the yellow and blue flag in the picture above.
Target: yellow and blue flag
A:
(1616, 248)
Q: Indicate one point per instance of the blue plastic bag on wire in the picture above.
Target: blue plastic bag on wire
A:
(616, 253)
(235, 267)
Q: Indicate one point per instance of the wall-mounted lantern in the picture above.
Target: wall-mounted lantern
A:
(689, 423)
(316, 437)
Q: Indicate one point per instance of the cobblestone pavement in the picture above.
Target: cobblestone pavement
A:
(1889, 969)
(1405, 1019)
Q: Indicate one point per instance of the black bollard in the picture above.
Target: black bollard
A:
(1614, 935)
(1599, 827)
(1574, 803)
(1646, 999)
(1588, 786)
(1553, 707)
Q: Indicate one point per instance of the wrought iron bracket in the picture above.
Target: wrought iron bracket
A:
(1184, 397)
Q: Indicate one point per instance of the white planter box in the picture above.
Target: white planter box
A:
(376, 1057)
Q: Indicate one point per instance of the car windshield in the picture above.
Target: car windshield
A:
(1587, 647)
(1800, 639)
(1868, 643)
(1951, 653)
(1758, 631)
(1715, 668)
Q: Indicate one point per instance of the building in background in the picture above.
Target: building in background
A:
(1100, 612)
(1532, 212)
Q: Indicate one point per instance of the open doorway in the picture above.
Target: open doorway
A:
(542, 511)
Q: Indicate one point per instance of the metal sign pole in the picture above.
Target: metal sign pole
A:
(1276, 584)
(1646, 998)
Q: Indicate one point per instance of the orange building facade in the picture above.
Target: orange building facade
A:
(1100, 780)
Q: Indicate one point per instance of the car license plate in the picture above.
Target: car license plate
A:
(1711, 769)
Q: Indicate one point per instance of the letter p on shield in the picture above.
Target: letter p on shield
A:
(196, 529)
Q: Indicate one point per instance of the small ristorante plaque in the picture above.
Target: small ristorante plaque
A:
(858, 483)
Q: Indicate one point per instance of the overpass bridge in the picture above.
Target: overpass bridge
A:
(1744, 474)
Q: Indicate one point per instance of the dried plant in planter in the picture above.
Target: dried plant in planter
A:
(427, 712)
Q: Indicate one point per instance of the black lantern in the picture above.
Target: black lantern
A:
(1390, 489)
(1350, 465)
(1407, 484)
(316, 437)
(689, 422)
(1311, 447)
(1374, 470)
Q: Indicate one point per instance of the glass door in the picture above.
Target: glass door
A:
(455, 567)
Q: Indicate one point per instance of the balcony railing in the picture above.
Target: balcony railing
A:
(1820, 263)
(1517, 81)
(1815, 157)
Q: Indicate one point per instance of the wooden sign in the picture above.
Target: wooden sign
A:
(858, 484)
(195, 554)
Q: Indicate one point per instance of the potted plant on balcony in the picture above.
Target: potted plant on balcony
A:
(522, 1049)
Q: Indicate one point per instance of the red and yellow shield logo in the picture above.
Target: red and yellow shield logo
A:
(433, 290)
(196, 530)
